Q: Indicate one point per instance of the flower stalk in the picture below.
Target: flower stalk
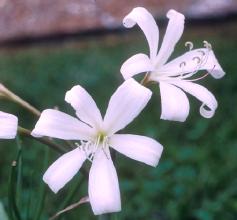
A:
(6, 93)
(46, 141)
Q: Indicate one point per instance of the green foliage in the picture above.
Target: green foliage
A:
(3, 214)
(196, 177)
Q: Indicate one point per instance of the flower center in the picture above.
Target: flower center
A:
(90, 147)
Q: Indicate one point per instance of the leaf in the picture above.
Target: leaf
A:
(3, 214)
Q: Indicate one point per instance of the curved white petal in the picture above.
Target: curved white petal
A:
(140, 148)
(8, 125)
(53, 123)
(174, 103)
(104, 191)
(85, 106)
(138, 63)
(125, 104)
(193, 61)
(64, 169)
(148, 25)
(173, 33)
(202, 94)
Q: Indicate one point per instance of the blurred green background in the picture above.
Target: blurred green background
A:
(196, 177)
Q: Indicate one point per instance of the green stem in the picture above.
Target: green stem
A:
(15, 98)
(42, 189)
(72, 206)
(49, 143)
(46, 141)
(14, 212)
(19, 170)
(29, 199)
(71, 194)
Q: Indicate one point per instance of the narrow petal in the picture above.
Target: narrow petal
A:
(104, 191)
(193, 61)
(140, 148)
(8, 125)
(53, 123)
(148, 25)
(138, 63)
(64, 169)
(84, 105)
(174, 103)
(207, 109)
(125, 105)
(173, 33)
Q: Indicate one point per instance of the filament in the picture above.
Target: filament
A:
(91, 147)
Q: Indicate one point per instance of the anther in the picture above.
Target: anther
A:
(182, 64)
(197, 58)
(202, 52)
(189, 44)
(207, 45)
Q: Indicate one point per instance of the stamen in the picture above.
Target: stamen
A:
(201, 61)
(182, 64)
(85, 147)
(202, 52)
(202, 77)
(104, 146)
(197, 58)
(207, 45)
(189, 44)
(91, 147)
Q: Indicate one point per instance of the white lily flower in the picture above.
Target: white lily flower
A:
(96, 136)
(8, 125)
(173, 76)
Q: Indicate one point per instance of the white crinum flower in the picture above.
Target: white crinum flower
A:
(173, 76)
(97, 135)
(8, 125)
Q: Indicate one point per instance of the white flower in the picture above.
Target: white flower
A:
(8, 125)
(173, 76)
(97, 135)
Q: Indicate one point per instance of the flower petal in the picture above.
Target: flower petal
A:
(141, 148)
(64, 169)
(85, 106)
(8, 125)
(104, 191)
(202, 94)
(174, 103)
(125, 104)
(138, 63)
(193, 61)
(173, 33)
(53, 123)
(148, 25)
